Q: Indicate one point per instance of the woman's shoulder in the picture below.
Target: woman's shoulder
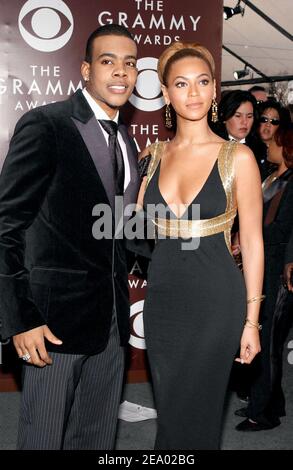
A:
(245, 162)
(243, 152)
(243, 157)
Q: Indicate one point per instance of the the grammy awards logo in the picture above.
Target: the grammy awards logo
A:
(46, 25)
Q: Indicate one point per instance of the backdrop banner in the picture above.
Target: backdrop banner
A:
(42, 45)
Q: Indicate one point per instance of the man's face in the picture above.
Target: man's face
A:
(111, 75)
(260, 96)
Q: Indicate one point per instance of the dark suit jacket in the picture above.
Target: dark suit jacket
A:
(52, 269)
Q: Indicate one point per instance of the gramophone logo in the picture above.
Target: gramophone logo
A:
(41, 24)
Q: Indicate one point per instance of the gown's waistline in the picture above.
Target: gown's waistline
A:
(182, 228)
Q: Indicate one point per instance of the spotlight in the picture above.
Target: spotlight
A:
(241, 73)
(229, 12)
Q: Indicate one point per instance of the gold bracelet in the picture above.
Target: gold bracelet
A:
(258, 298)
(255, 325)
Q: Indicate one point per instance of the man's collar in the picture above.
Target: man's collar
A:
(242, 141)
(97, 110)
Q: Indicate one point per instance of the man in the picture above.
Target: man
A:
(67, 292)
(259, 93)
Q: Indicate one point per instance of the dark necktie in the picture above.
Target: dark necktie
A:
(116, 154)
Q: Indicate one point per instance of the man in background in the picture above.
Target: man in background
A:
(259, 93)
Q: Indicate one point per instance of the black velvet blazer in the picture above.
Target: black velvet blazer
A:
(52, 269)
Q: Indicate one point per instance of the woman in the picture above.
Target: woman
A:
(269, 121)
(267, 402)
(237, 114)
(272, 116)
(196, 302)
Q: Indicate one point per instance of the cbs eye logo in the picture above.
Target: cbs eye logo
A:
(136, 321)
(44, 18)
(147, 95)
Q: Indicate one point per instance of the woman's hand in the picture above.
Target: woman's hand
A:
(249, 345)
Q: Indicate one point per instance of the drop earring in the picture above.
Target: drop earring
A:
(214, 110)
(168, 117)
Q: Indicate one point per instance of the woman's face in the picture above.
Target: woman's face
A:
(190, 88)
(268, 128)
(240, 124)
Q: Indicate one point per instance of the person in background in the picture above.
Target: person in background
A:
(267, 402)
(259, 93)
(237, 115)
(272, 116)
(64, 292)
(269, 120)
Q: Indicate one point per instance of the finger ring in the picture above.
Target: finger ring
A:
(26, 357)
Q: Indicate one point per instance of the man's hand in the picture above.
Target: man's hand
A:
(32, 343)
(288, 273)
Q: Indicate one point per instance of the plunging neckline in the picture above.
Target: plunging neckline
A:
(196, 195)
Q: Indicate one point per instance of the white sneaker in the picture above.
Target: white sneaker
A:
(132, 412)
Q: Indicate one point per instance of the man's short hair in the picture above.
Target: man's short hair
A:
(106, 30)
(256, 88)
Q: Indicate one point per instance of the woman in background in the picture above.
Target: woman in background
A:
(237, 115)
(267, 402)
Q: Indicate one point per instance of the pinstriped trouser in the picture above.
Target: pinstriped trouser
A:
(73, 404)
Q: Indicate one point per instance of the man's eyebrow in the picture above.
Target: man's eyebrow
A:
(110, 54)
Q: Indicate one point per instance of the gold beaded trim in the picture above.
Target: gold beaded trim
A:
(181, 228)
(227, 174)
(156, 151)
